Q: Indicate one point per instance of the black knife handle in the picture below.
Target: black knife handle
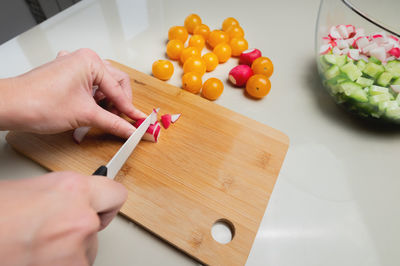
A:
(102, 170)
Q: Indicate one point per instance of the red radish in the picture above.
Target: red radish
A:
(153, 132)
(379, 53)
(341, 44)
(361, 42)
(326, 48)
(240, 74)
(388, 47)
(369, 47)
(336, 51)
(394, 38)
(390, 58)
(395, 52)
(175, 117)
(364, 57)
(80, 133)
(166, 120)
(334, 34)
(342, 29)
(326, 40)
(247, 57)
(354, 54)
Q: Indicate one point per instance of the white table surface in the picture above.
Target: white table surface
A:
(336, 201)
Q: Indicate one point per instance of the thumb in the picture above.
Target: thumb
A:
(111, 123)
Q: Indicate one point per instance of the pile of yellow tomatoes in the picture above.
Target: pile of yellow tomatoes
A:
(222, 43)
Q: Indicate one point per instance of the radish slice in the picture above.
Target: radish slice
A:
(342, 29)
(334, 34)
(175, 117)
(354, 54)
(325, 49)
(336, 51)
(379, 53)
(351, 30)
(388, 47)
(341, 44)
(390, 58)
(326, 40)
(80, 133)
(396, 88)
(345, 51)
(364, 57)
(361, 42)
(166, 120)
(370, 47)
(153, 132)
(395, 52)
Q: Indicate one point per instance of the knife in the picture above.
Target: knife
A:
(115, 164)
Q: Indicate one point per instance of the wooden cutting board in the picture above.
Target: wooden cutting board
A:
(212, 164)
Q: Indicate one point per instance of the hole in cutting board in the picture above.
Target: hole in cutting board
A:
(223, 231)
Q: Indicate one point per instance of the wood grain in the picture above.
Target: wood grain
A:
(212, 164)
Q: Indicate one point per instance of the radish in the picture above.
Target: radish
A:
(364, 57)
(342, 29)
(354, 54)
(334, 34)
(324, 49)
(247, 57)
(240, 74)
(341, 44)
(369, 47)
(153, 132)
(336, 51)
(166, 120)
(394, 38)
(80, 133)
(175, 117)
(395, 52)
(361, 42)
(379, 53)
(388, 47)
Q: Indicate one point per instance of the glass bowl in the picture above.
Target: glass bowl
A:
(358, 57)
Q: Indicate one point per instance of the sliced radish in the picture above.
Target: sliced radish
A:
(388, 47)
(341, 44)
(359, 33)
(361, 42)
(336, 51)
(324, 49)
(345, 51)
(395, 52)
(240, 74)
(354, 54)
(342, 29)
(80, 133)
(351, 30)
(394, 38)
(364, 57)
(175, 117)
(390, 58)
(369, 47)
(153, 132)
(396, 88)
(379, 53)
(334, 34)
(166, 120)
(247, 57)
(326, 40)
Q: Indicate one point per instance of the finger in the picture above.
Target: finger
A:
(106, 198)
(62, 53)
(91, 248)
(113, 90)
(111, 123)
(98, 96)
(123, 79)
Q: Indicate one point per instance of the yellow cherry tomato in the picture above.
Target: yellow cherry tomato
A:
(191, 82)
(229, 22)
(211, 61)
(194, 64)
(235, 32)
(197, 41)
(258, 86)
(202, 30)
(263, 65)
(223, 51)
(163, 69)
(178, 33)
(188, 52)
(216, 37)
(212, 89)
(191, 22)
(238, 45)
(174, 49)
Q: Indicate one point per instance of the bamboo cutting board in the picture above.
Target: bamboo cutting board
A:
(212, 164)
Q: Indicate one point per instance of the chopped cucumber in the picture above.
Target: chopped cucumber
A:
(384, 79)
(396, 82)
(361, 64)
(332, 72)
(354, 91)
(364, 82)
(373, 70)
(351, 71)
(376, 99)
(375, 90)
(341, 60)
(394, 68)
(389, 104)
(393, 113)
(330, 59)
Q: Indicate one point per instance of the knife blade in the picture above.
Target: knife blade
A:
(118, 160)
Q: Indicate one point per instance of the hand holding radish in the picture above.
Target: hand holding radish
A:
(58, 96)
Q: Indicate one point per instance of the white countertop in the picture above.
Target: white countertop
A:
(336, 199)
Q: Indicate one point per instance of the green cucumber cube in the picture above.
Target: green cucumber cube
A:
(373, 70)
(376, 90)
(393, 113)
(341, 60)
(396, 82)
(376, 99)
(389, 104)
(332, 72)
(394, 68)
(330, 59)
(384, 79)
(351, 71)
(361, 64)
(365, 82)
(375, 60)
